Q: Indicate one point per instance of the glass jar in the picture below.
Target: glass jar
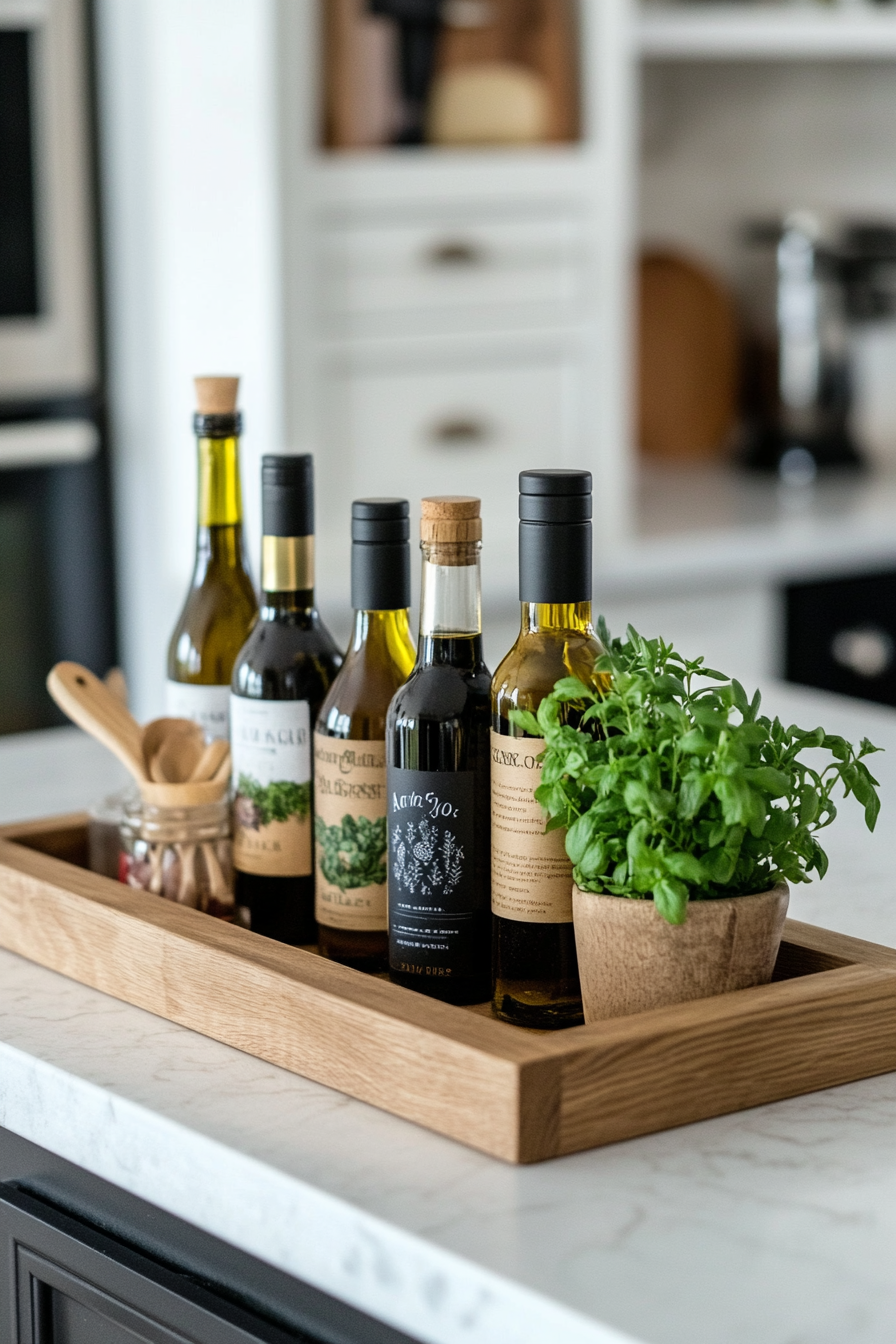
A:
(184, 854)
(104, 831)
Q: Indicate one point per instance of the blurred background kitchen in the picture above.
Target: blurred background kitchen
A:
(442, 241)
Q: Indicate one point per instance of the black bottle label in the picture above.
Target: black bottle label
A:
(435, 900)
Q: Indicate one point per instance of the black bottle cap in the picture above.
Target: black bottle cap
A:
(220, 425)
(555, 536)
(287, 495)
(381, 554)
(555, 496)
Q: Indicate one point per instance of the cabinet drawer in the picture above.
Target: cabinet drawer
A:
(446, 274)
(841, 636)
(460, 431)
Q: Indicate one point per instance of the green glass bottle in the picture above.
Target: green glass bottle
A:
(350, 745)
(534, 968)
(221, 607)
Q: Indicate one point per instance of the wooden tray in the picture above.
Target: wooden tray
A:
(829, 1018)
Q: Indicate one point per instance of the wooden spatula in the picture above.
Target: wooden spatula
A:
(90, 704)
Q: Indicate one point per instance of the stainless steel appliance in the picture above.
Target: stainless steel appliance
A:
(826, 276)
(56, 592)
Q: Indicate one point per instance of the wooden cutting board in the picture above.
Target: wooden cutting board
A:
(688, 359)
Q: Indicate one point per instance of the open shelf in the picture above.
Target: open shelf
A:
(765, 32)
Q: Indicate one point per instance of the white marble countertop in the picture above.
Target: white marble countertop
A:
(775, 1225)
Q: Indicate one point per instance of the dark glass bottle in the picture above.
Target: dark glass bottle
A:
(535, 972)
(437, 752)
(350, 779)
(281, 676)
(220, 607)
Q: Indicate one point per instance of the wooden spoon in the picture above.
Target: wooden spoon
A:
(211, 760)
(92, 706)
(176, 759)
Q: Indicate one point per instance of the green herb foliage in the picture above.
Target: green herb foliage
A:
(676, 790)
(353, 854)
(277, 801)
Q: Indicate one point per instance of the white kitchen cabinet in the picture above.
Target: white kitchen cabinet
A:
(446, 426)
(432, 320)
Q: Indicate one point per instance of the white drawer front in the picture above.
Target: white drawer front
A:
(447, 275)
(464, 431)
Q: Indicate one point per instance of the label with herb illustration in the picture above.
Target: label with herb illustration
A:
(531, 875)
(350, 833)
(271, 745)
(432, 897)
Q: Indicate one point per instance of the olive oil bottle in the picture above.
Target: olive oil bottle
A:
(350, 745)
(221, 607)
(535, 973)
(437, 754)
(280, 678)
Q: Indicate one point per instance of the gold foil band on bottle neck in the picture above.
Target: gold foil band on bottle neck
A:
(287, 564)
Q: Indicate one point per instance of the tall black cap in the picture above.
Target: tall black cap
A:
(555, 536)
(287, 495)
(381, 554)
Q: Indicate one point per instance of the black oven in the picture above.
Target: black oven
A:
(56, 586)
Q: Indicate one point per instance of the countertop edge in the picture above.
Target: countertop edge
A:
(413, 1285)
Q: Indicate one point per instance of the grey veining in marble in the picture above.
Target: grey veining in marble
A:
(774, 1226)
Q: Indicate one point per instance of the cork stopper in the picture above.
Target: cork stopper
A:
(450, 519)
(216, 396)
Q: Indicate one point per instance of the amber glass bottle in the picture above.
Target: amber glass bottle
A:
(350, 745)
(220, 608)
(280, 678)
(535, 973)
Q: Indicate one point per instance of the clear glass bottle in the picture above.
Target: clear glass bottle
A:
(350, 745)
(534, 967)
(437, 751)
(280, 678)
(220, 607)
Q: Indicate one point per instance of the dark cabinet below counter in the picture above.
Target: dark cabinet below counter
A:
(82, 1262)
(840, 635)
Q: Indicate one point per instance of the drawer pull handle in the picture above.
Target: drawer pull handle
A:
(460, 432)
(456, 252)
(867, 650)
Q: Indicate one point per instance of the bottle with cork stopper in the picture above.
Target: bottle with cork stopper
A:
(437, 755)
(220, 607)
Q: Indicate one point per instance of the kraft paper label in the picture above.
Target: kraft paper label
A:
(350, 834)
(271, 745)
(531, 874)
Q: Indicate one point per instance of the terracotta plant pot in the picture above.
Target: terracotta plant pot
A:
(630, 959)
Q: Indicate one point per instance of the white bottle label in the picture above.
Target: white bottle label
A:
(206, 705)
(271, 745)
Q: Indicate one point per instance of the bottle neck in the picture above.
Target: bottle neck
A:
(292, 606)
(375, 631)
(539, 618)
(450, 604)
(220, 496)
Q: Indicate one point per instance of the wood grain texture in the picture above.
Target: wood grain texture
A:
(687, 359)
(518, 1095)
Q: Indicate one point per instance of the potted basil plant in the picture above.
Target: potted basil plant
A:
(687, 813)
